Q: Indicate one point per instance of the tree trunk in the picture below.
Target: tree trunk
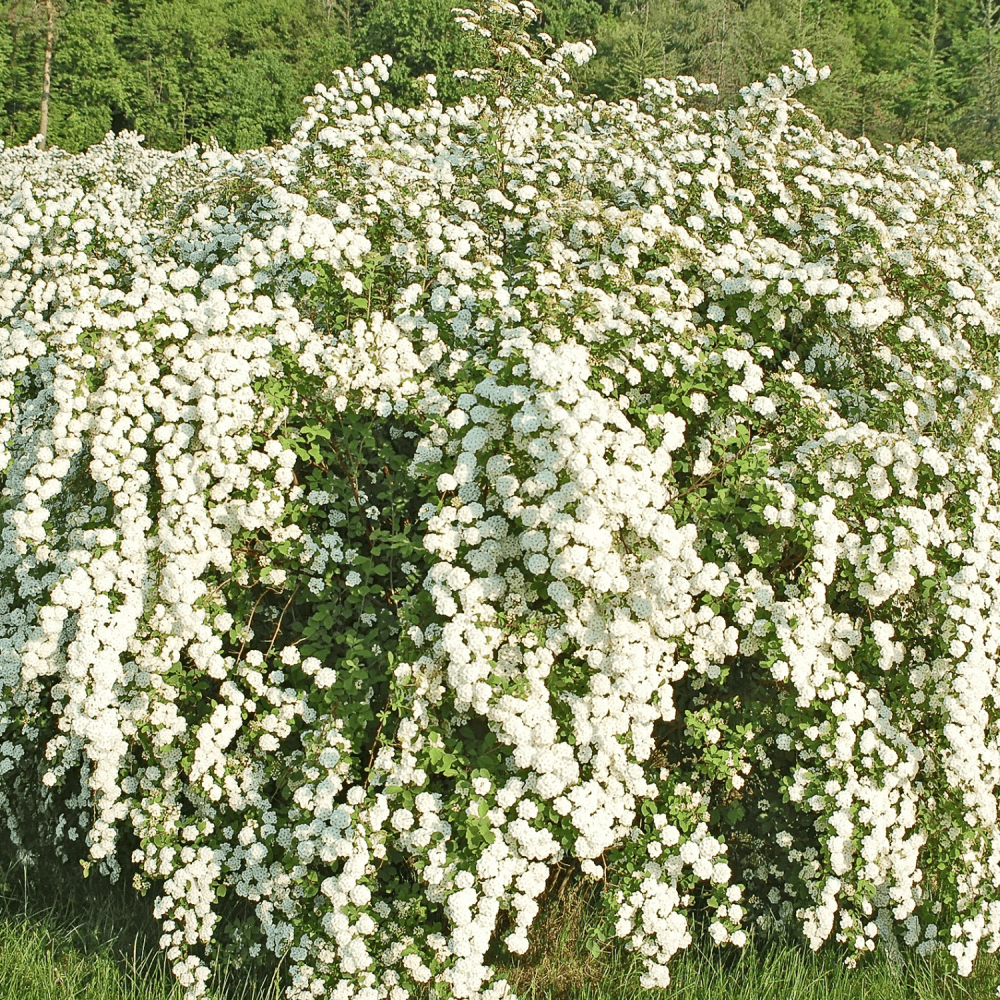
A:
(50, 31)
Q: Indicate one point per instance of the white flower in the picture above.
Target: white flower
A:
(184, 278)
(352, 283)
(584, 559)
(718, 932)
(699, 404)
(506, 486)
(537, 563)
(721, 875)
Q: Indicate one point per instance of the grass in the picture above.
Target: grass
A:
(66, 938)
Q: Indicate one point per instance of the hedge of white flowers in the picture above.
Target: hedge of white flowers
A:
(454, 500)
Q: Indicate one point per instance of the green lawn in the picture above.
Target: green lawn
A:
(65, 938)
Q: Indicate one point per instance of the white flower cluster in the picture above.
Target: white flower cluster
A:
(705, 407)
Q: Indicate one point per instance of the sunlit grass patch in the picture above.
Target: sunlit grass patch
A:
(64, 936)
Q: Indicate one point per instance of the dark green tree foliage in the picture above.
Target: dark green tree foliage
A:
(347, 17)
(187, 70)
(632, 46)
(87, 87)
(880, 37)
(271, 68)
(422, 37)
(976, 53)
(24, 28)
(927, 98)
(179, 69)
(176, 70)
(6, 51)
(571, 19)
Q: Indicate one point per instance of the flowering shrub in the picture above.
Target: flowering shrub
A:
(451, 498)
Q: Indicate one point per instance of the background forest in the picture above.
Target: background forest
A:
(186, 70)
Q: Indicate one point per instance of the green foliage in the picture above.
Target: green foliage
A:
(183, 72)
(629, 50)
(569, 20)
(87, 73)
(422, 38)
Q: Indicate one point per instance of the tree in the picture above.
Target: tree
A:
(988, 77)
(237, 71)
(882, 36)
(977, 55)
(422, 38)
(348, 16)
(6, 52)
(50, 34)
(40, 18)
(574, 20)
(88, 91)
(927, 96)
(632, 45)
(271, 70)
